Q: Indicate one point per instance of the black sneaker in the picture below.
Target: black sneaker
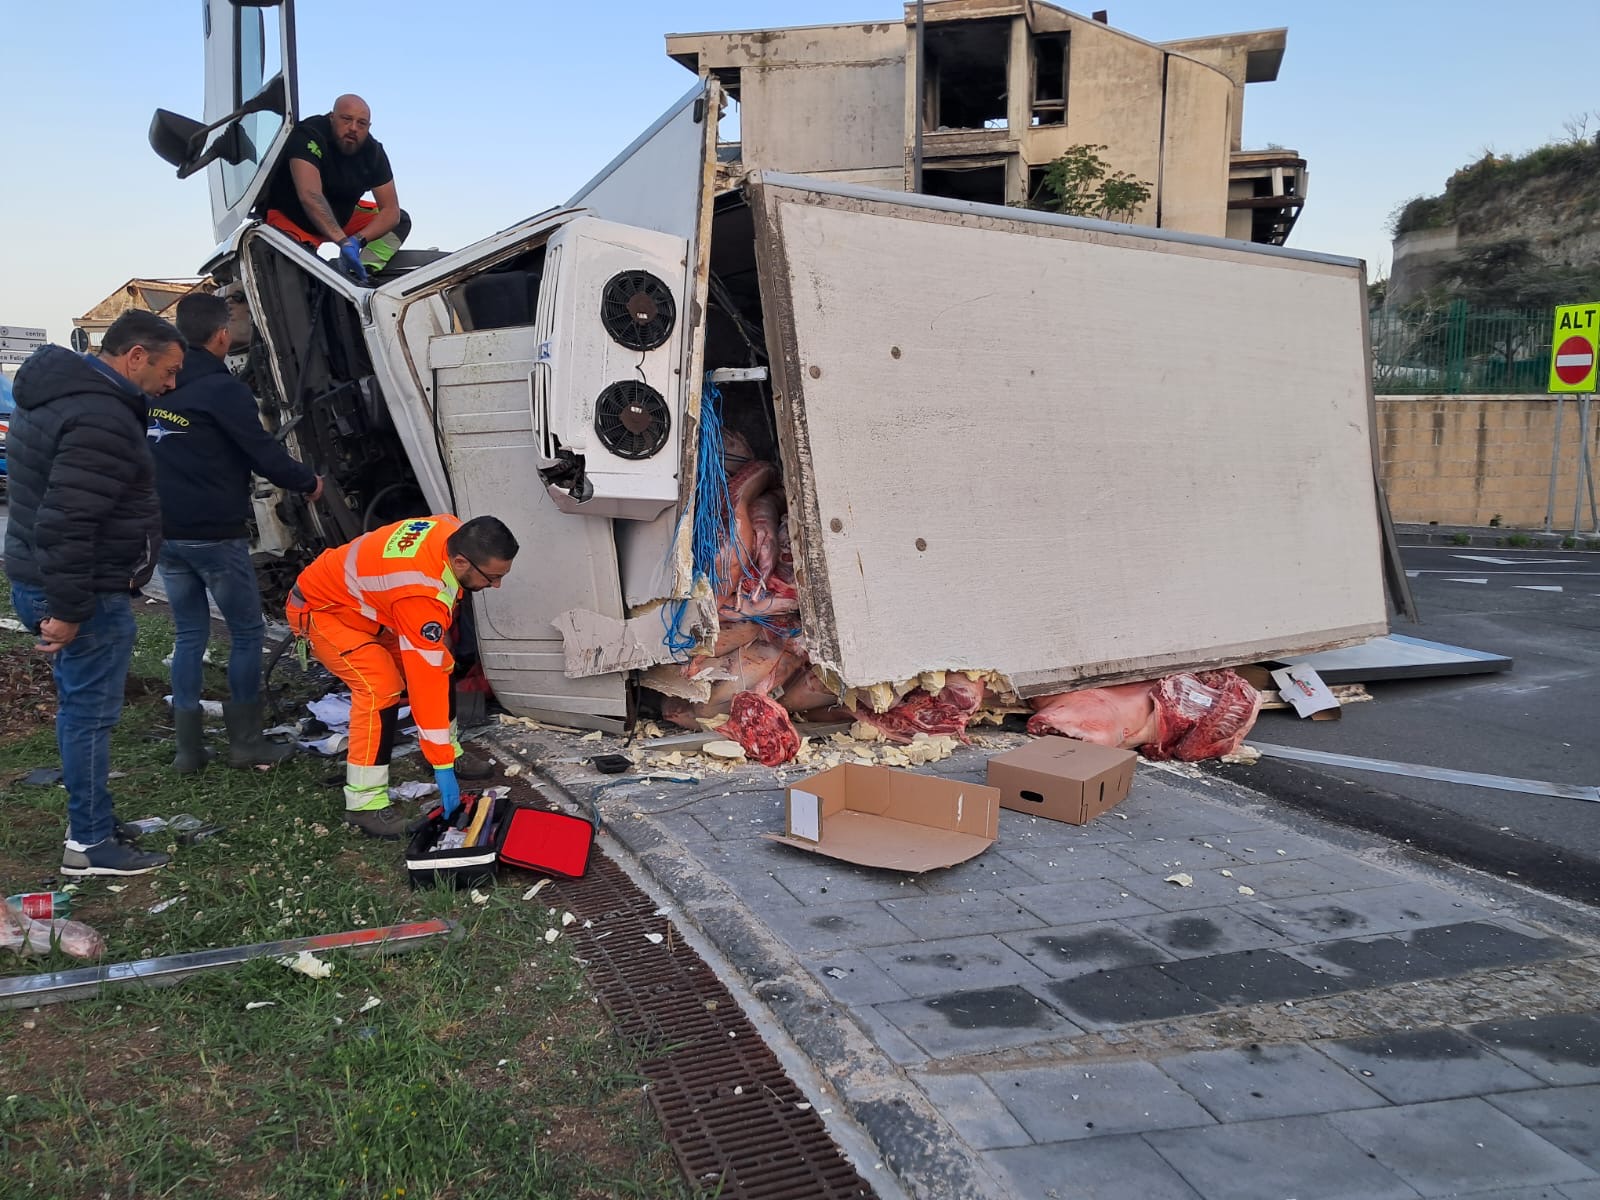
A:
(111, 857)
(387, 822)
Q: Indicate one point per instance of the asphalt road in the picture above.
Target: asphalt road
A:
(1540, 721)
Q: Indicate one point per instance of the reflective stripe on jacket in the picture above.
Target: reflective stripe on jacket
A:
(399, 578)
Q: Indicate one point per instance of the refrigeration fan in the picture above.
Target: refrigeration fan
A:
(631, 419)
(637, 310)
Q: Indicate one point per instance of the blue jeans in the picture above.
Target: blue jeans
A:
(190, 570)
(91, 674)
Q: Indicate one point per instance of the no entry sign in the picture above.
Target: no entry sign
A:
(1574, 346)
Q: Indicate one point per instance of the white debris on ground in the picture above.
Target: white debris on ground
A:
(308, 964)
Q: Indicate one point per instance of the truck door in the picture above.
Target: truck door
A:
(249, 58)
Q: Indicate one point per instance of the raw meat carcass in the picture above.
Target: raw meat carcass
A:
(1122, 716)
(736, 451)
(807, 691)
(918, 713)
(763, 728)
(1202, 716)
(736, 559)
(963, 692)
(765, 512)
(730, 636)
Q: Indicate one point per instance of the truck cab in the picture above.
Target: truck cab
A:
(542, 375)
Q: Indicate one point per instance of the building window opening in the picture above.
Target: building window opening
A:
(967, 73)
(1050, 79)
(981, 185)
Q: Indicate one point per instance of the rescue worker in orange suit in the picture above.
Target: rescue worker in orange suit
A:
(377, 612)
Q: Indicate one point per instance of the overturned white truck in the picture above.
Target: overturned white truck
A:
(1056, 451)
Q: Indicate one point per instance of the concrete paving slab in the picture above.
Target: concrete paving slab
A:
(1370, 962)
(1568, 1117)
(1084, 900)
(1368, 911)
(1094, 1100)
(1562, 1048)
(1157, 807)
(1020, 831)
(889, 1038)
(976, 1022)
(1251, 977)
(1065, 951)
(1549, 1192)
(1163, 856)
(1417, 1065)
(1066, 864)
(1477, 945)
(1257, 1082)
(1112, 1168)
(961, 912)
(1312, 876)
(931, 967)
(1272, 843)
(853, 977)
(825, 928)
(1208, 888)
(1126, 996)
(991, 871)
(1580, 1191)
(1301, 1157)
(977, 1115)
(1205, 931)
(828, 881)
(1449, 1146)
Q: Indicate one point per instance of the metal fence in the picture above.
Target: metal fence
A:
(1455, 350)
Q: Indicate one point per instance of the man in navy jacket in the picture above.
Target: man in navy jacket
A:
(207, 439)
(83, 535)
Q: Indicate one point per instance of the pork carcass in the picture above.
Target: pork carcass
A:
(807, 691)
(918, 712)
(1122, 716)
(1201, 716)
(762, 727)
(737, 558)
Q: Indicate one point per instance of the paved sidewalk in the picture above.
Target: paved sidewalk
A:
(1316, 1016)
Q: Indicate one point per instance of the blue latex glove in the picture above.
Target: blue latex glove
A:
(449, 790)
(350, 259)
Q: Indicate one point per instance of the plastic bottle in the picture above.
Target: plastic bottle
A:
(41, 906)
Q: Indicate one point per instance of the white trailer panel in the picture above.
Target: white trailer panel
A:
(1062, 450)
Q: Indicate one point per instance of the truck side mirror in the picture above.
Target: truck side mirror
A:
(171, 135)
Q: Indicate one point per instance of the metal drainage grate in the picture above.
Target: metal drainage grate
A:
(732, 1115)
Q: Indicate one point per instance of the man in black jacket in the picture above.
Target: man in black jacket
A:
(83, 535)
(207, 438)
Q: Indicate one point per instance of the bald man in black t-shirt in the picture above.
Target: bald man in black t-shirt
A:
(316, 196)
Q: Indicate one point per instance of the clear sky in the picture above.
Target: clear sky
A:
(494, 109)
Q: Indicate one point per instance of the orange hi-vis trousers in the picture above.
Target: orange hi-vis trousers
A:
(370, 665)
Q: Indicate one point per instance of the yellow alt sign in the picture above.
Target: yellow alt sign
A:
(1574, 347)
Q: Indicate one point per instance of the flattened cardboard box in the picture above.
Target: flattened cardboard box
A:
(1062, 778)
(881, 817)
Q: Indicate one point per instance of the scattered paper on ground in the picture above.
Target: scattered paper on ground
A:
(536, 889)
(550, 935)
(307, 963)
(1182, 879)
(479, 897)
(370, 1003)
(655, 939)
(255, 1004)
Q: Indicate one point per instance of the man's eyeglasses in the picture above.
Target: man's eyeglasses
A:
(492, 579)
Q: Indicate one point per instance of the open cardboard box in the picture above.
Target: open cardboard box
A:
(1062, 778)
(881, 817)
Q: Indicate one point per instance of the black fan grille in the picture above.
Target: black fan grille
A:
(632, 420)
(637, 310)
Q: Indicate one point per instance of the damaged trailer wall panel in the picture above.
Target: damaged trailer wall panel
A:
(1067, 451)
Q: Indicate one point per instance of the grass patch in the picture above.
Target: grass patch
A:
(487, 1070)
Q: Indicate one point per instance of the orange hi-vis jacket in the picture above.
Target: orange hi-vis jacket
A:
(398, 577)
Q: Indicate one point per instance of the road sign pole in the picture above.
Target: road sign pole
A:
(1555, 467)
(1580, 464)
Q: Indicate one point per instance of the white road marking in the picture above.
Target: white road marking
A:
(1512, 562)
(1480, 579)
(1538, 587)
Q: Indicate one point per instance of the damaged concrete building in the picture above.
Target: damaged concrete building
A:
(1007, 87)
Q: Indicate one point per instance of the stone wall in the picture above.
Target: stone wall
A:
(1465, 460)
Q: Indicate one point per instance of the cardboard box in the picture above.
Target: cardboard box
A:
(1062, 778)
(882, 817)
(1304, 690)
